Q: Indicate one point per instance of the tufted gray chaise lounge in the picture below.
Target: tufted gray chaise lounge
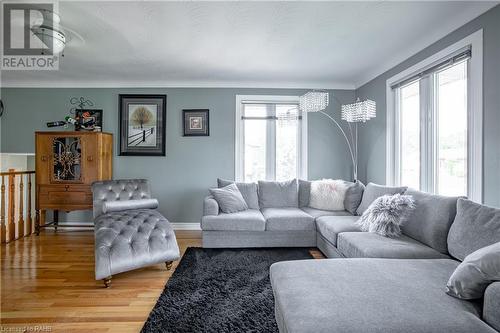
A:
(129, 232)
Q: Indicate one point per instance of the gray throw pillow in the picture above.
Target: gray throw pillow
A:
(278, 194)
(229, 199)
(353, 196)
(373, 191)
(385, 215)
(248, 191)
(471, 278)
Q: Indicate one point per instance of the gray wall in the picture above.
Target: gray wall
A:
(192, 164)
(373, 133)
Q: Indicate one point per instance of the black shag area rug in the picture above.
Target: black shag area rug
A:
(220, 290)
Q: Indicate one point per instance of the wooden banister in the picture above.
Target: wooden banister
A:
(16, 223)
(3, 230)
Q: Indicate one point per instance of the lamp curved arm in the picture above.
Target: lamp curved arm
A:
(346, 139)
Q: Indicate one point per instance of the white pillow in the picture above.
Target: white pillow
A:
(328, 194)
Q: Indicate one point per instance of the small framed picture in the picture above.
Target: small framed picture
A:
(143, 125)
(196, 122)
(88, 120)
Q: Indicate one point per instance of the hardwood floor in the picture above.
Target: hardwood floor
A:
(48, 282)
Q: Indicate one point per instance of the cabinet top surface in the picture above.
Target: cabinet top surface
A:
(72, 133)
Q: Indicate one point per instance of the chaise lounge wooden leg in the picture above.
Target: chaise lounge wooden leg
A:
(107, 282)
(168, 264)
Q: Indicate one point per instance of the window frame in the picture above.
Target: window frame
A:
(428, 124)
(239, 134)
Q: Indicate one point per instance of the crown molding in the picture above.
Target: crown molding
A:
(174, 84)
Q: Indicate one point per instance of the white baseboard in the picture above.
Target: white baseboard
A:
(176, 226)
(186, 226)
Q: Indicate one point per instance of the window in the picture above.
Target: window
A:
(434, 122)
(270, 136)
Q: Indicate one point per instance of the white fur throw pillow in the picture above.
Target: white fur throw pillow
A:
(385, 215)
(328, 194)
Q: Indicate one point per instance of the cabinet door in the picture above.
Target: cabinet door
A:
(67, 152)
(43, 158)
(90, 158)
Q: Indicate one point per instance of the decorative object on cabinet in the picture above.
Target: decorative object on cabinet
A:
(67, 163)
(88, 120)
(143, 125)
(80, 103)
(196, 122)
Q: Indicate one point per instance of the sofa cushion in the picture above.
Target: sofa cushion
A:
(370, 295)
(475, 226)
(371, 245)
(248, 191)
(431, 219)
(373, 191)
(331, 226)
(278, 194)
(132, 239)
(475, 273)
(491, 305)
(288, 218)
(304, 192)
(319, 212)
(229, 199)
(353, 196)
(250, 220)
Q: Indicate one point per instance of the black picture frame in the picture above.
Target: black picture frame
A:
(93, 113)
(149, 115)
(192, 118)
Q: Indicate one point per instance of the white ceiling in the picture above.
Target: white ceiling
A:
(243, 44)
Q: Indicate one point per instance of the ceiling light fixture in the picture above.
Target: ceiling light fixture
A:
(50, 33)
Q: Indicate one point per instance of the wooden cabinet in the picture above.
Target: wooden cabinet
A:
(67, 163)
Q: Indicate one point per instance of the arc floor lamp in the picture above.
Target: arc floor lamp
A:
(359, 111)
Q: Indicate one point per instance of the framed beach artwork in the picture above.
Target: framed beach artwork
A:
(195, 122)
(143, 125)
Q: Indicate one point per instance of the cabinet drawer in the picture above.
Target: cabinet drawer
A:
(65, 195)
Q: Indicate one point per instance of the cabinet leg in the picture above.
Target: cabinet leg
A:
(107, 282)
(37, 222)
(56, 219)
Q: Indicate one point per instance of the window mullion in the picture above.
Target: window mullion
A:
(397, 138)
(271, 143)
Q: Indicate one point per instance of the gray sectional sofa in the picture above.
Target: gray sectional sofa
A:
(371, 283)
(391, 284)
(278, 216)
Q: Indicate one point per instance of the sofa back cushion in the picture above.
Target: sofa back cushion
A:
(431, 219)
(373, 191)
(248, 191)
(278, 194)
(475, 226)
(304, 192)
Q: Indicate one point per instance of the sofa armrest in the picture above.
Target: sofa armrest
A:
(210, 206)
(491, 306)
